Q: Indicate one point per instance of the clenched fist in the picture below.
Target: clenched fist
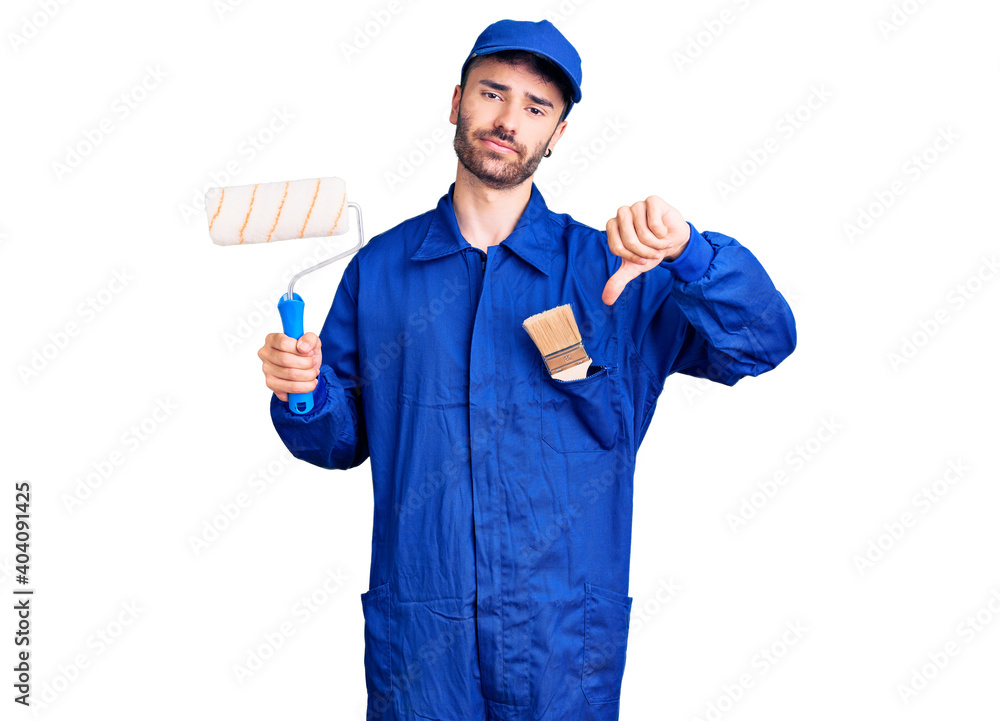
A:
(291, 366)
(642, 235)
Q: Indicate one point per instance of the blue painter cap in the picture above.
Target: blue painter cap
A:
(541, 38)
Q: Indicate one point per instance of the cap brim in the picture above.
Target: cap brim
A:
(577, 93)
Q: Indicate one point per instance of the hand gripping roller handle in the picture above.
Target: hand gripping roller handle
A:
(265, 212)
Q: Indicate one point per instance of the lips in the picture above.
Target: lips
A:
(497, 142)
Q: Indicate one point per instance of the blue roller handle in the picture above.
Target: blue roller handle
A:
(291, 312)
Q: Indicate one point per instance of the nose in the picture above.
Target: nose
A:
(506, 121)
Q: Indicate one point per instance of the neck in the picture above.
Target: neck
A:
(486, 216)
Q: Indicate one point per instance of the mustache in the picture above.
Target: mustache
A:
(507, 140)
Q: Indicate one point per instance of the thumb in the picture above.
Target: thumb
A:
(306, 343)
(617, 282)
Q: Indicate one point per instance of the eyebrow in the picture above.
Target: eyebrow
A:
(506, 89)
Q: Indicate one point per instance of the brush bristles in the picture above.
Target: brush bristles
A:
(557, 337)
(553, 329)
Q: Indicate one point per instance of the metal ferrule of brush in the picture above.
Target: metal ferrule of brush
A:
(565, 358)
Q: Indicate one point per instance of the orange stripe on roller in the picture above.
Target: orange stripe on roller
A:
(337, 219)
(303, 231)
(221, 197)
(279, 213)
(249, 210)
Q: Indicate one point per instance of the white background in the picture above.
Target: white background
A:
(182, 330)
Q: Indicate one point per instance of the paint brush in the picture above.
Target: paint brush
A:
(557, 337)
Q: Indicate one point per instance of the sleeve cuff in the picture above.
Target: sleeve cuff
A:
(320, 391)
(693, 261)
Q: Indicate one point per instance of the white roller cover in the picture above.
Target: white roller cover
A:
(266, 212)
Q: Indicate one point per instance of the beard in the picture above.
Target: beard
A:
(500, 171)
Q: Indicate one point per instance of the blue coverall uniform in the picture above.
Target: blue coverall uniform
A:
(503, 498)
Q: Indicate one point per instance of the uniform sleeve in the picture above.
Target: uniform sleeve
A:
(712, 313)
(333, 434)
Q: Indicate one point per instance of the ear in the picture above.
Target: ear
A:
(456, 98)
(560, 129)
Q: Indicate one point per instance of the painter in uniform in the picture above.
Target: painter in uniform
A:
(503, 498)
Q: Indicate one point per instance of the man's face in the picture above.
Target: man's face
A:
(506, 119)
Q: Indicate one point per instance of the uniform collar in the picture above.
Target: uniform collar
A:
(531, 238)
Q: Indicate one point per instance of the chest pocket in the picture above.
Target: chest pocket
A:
(585, 414)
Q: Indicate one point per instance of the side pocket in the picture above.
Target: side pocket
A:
(378, 667)
(605, 636)
(584, 414)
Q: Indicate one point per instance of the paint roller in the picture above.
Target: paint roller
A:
(268, 212)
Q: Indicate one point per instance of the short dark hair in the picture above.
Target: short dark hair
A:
(537, 64)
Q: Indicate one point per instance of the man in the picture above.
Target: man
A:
(503, 497)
